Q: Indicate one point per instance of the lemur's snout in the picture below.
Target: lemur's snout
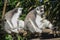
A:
(20, 10)
(42, 9)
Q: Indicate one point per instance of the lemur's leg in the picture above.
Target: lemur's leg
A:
(12, 29)
(20, 24)
(35, 28)
(9, 24)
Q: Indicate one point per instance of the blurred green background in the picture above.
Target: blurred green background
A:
(52, 11)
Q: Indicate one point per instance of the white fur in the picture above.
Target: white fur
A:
(15, 17)
(38, 19)
(21, 23)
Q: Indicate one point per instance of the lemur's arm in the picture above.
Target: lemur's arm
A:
(44, 17)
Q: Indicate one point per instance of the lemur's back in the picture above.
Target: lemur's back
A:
(10, 13)
(32, 16)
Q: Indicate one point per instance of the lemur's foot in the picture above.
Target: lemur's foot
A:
(23, 32)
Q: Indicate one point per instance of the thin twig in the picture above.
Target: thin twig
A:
(4, 8)
(3, 13)
(17, 4)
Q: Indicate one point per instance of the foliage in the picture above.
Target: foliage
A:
(52, 11)
(8, 37)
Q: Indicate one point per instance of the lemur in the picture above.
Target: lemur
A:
(12, 24)
(30, 23)
(35, 20)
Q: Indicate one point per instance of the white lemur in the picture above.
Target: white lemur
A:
(12, 24)
(35, 20)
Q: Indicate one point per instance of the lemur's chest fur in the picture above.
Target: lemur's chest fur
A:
(38, 21)
(15, 19)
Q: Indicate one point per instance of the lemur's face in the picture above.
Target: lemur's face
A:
(20, 10)
(40, 10)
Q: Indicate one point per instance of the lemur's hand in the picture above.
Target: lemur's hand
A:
(43, 19)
